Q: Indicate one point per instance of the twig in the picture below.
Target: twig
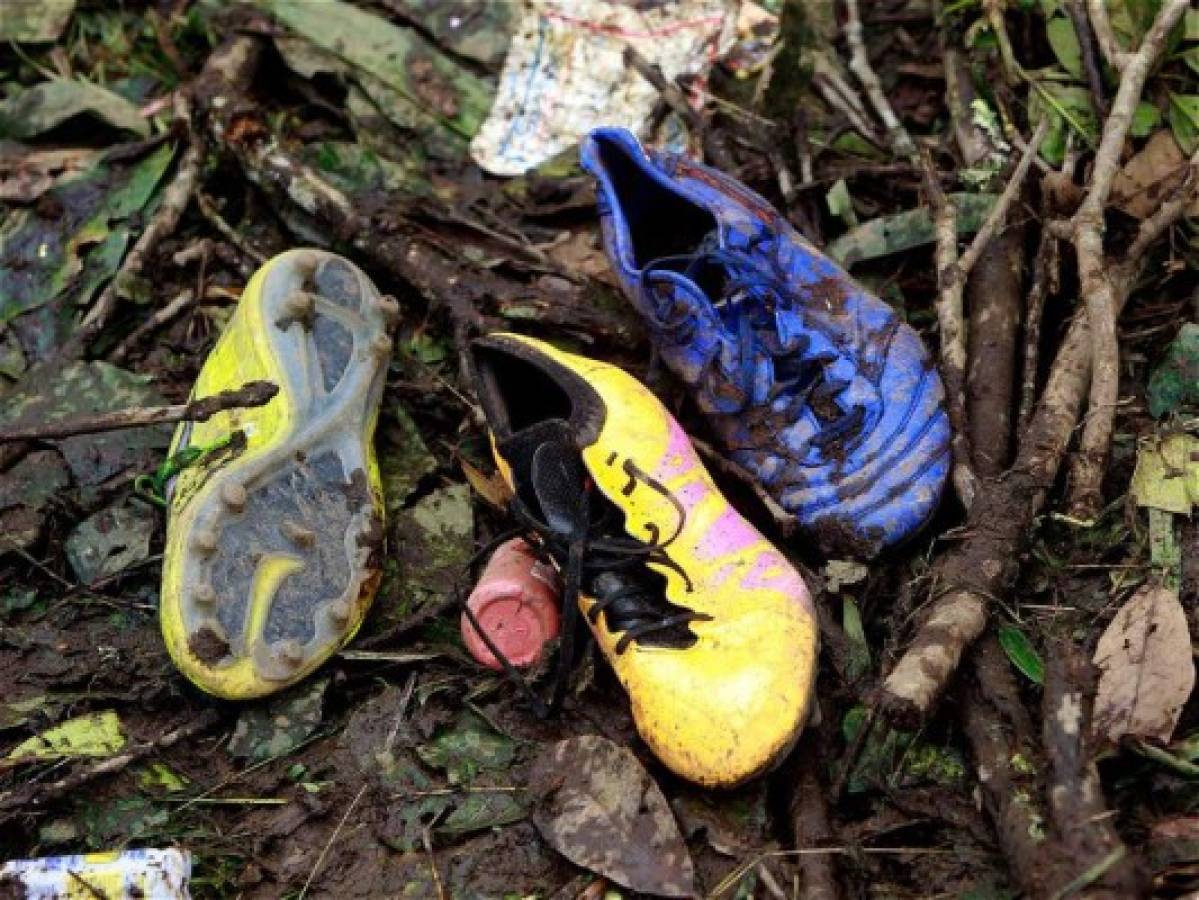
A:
(1115, 55)
(859, 64)
(1044, 263)
(37, 795)
(840, 95)
(320, 860)
(255, 393)
(1095, 284)
(161, 316)
(232, 235)
(810, 823)
(952, 322)
(175, 197)
(1090, 63)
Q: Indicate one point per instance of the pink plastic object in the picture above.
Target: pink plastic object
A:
(516, 602)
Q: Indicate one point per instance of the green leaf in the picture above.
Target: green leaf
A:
(858, 663)
(1184, 121)
(96, 734)
(1191, 58)
(1064, 41)
(1022, 653)
(840, 204)
(41, 107)
(1190, 26)
(481, 809)
(1174, 384)
(1167, 473)
(1145, 119)
(1069, 110)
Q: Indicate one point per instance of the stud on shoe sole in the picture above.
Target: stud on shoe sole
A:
(275, 548)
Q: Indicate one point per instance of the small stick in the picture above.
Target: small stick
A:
(838, 94)
(1090, 63)
(320, 860)
(175, 198)
(1116, 56)
(160, 317)
(1046, 260)
(1093, 271)
(37, 795)
(232, 235)
(255, 393)
(859, 64)
(810, 822)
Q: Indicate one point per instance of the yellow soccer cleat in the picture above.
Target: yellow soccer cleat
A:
(274, 535)
(708, 627)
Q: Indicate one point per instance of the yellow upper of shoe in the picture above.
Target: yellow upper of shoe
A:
(727, 707)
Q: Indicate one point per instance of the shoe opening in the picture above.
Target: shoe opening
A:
(660, 221)
(517, 393)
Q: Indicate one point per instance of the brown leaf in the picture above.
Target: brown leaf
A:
(1145, 666)
(599, 808)
(492, 488)
(1151, 177)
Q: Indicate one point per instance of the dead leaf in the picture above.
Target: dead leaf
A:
(1145, 666)
(492, 488)
(27, 174)
(599, 808)
(1151, 176)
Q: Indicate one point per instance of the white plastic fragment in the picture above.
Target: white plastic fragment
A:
(149, 874)
(565, 72)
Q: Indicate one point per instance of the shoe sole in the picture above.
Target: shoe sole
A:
(283, 555)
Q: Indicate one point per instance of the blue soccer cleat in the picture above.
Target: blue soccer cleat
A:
(815, 386)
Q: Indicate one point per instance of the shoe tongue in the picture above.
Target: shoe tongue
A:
(559, 480)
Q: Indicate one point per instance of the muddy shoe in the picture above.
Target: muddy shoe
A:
(815, 386)
(274, 536)
(708, 627)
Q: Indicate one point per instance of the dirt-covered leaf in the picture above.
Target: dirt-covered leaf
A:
(433, 542)
(1167, 473)
(481, 809)
(26, 174)
(1150, 176)
(468, 28)
(466, 748)
(95, 734)
(90, 387)
(597, 806)
(280, 725)
(43, 106)
(26, 490)
(80, 244)
(1145, 668)
(34, 20)
(903, 231)
(111, 540)
(398, 57)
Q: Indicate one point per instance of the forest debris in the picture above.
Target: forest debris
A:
(1022, 653)
(398, 57)
(1154, 172)
(34, 22)
(94, 734)
(599, 808)
(111, 540)
(74, 251)
(1167, 473)
(1146, 670)
(906, 230)
(478, 31)
(565, 72)
(37, 109)
(26, 174)
(272, 729)
(1175, 382)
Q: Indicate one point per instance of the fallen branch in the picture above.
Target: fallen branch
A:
(1082, 824)
(859, 64)
(1093, 270)
(1000, 521)
(255, 393)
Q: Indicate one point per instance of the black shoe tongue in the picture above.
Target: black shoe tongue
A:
(559, 481)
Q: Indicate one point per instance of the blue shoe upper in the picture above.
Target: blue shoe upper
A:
(815, 385)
